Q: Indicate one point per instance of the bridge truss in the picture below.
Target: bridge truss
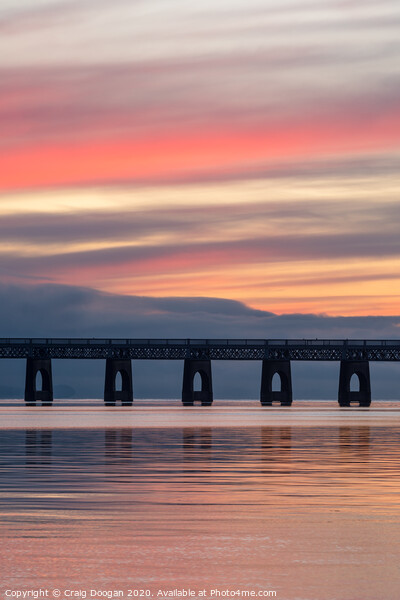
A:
(201, 349)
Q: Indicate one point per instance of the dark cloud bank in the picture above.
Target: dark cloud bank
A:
(59, 311)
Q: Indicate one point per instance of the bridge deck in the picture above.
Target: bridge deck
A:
(214, 349)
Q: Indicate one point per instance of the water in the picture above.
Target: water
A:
(304, 501)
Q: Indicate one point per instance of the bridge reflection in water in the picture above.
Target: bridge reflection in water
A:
(315, 504)
(276, 357)
(270, 442)
(271, 445)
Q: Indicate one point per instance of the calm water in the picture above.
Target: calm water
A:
(311, 512)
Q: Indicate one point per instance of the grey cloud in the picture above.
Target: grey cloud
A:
(184, 223)
(30, 18)
(268, 250)
(167, 95)
(106, 225)
(27, 18)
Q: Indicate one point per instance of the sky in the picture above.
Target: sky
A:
(241, 150)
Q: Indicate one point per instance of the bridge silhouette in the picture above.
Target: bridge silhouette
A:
(276, 357)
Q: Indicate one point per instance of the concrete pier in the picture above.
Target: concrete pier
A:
(362, 396)
(125, 394)
(35, 366)
(283, 396)
(189, 395)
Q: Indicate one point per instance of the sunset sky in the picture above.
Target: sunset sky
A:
(245, 150)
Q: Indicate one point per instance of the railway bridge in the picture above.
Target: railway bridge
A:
(275, 356)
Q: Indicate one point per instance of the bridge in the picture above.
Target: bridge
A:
(197, 354)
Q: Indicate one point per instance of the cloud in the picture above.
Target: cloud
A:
(65, 311)
(233, 90)
(194, 152)
(210, 92)
(27, 18)
(152, 94)
(299, 253)
(121, 223)
(301, 242)
(190, 257)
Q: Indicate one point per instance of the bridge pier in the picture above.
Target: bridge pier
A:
(189, 395)
(348, 368)
(125, 394)
(284, 395)
(32, 394)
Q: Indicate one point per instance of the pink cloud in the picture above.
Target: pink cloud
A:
(187, 154)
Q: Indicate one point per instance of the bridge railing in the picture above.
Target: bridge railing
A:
(195, 342)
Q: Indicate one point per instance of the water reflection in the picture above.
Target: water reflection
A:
(257, 466)
(263, 446)
(272, 444)
(196, 438)
(276, 442)
(118, 443)
(38, 447)
(355, 440)
(138, 505)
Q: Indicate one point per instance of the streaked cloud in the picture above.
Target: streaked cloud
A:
(166, 148)
(281, 249)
